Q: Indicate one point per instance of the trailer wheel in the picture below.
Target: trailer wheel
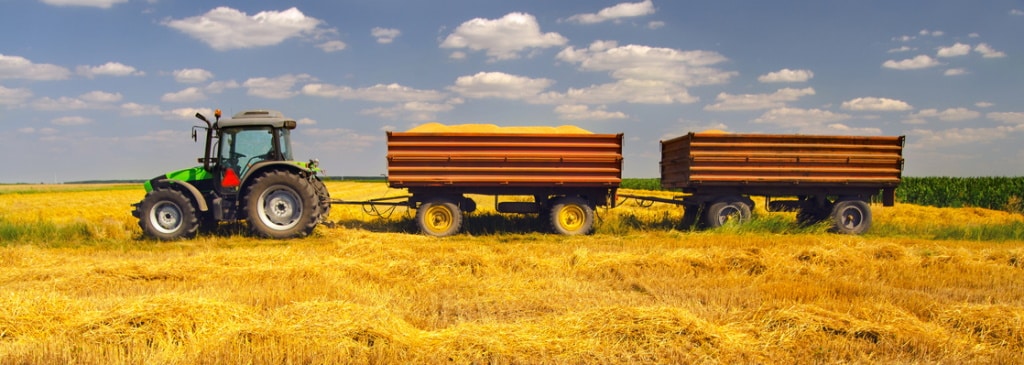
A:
(167, 214)
(720, 212)
(572, 216)
(439, 218)
(851, 217)
(281, 204)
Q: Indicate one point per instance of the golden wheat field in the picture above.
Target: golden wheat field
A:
(79, 286)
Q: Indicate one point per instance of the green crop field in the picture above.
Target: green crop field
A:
(925, 285)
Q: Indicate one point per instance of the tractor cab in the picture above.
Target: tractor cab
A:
(246, 140)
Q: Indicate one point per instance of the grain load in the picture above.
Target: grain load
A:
(435, 127)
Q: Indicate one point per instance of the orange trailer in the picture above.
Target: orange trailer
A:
(820, 177)
(567, 175)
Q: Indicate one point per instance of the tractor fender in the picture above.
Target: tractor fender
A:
(196, 195)
(261, 167)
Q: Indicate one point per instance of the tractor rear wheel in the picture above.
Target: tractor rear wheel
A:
(167, 214)
(572, 216)
(281, 204)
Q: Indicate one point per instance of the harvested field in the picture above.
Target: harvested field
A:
(83, 288)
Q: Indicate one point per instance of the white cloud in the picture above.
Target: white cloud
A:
(14, 96)
(377, 93)
(983, 104)
(904, 38)
(187, 95)
(933, 33)
(457, 55)
(504, 38)
(778, 99)
(89, 100)
(15, 67)
(956, 50)
(1007, 117)
(584, 112)
(616, 12)
(108, 69)
(218, 87)
(224, 28)
(61, 103)
(876, 104)
(787, 75)
(277, 87)
(499, 85)
(802, 120)
(655, 24)
(931, 139)
(385, 35)
(919, 62)
(987, 51)
(955, 72)
(192, 75)
(1016, 12)
(627, 90)
(71, 121)
(901, 49)
(103, 4)
(101, 97)
(948, 115)
(687, 68)
(140, 110)
(416, 111)
(840, 128)
(332, 46)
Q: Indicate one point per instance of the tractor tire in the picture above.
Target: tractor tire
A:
(281, 204)
(851, 217)
(571, 216)
(439, 217)
(167, 214)
(723, 211)
(324, 197)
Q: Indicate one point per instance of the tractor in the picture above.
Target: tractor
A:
(247, 173)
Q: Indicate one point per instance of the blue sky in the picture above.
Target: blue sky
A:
(106, 89)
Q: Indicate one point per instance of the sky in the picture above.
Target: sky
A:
(107, 89)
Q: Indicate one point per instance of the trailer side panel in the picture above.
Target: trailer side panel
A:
(489, 161)
(765, 163)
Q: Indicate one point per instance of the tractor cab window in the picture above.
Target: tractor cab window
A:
(285, 142)
(242, 148)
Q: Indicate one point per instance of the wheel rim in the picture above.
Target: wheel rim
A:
(165, 217)
(279, 208)
(851, 217)
(438, 219)
(728, 213)
(571, 217)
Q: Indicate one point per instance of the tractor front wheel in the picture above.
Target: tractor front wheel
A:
(281, 204)
(167, 214)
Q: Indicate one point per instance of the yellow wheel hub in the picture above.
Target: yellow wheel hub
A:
(571, 217)
(438, 218)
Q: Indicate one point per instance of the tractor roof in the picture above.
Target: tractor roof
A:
(270, 118)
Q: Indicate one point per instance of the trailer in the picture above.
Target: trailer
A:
(560, 177)
(820, 177)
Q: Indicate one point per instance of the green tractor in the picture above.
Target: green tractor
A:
(247, 173)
